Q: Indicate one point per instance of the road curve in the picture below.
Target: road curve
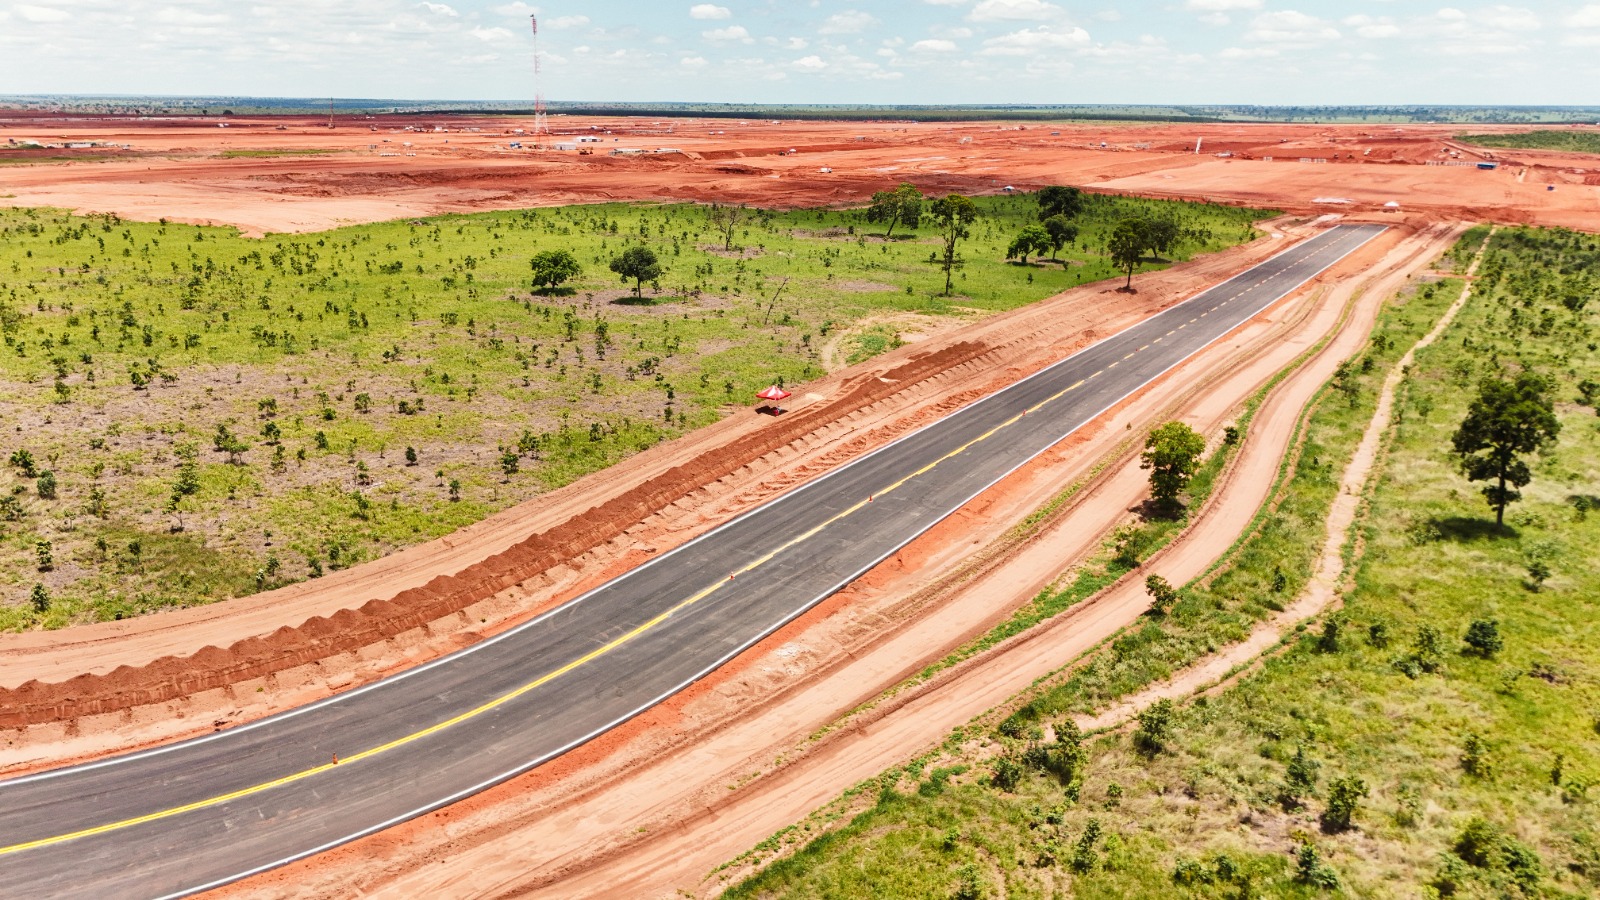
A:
(204, 812)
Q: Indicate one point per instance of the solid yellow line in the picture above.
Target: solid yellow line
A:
(530, 686)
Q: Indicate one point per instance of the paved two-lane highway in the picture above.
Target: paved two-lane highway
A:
(204, 812)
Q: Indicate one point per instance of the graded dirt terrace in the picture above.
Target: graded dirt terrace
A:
(295, 174)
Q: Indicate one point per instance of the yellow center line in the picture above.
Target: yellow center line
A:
(536, 683)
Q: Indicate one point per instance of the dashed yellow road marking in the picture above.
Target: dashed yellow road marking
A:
(543, 679)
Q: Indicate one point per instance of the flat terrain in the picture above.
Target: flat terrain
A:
(261, 179)
(823, 533)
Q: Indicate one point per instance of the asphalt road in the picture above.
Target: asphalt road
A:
(204, 812)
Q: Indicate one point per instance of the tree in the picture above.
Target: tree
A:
(1033, 239)
(1299, 778)
(1172, 454)
(901, 205)
(953, 216)
(46, 485)
(1127, 247)
(1343, 796)
(726, 219)
(1483, 638)
(227, 442)
(1061, 232)
(1155, 727)
(639, 264)
(45, 551)
(552, 268)
(1058, 200)
(1508, 419)
(1160, 234)
(40, 598)
(23, 460)
(1162, 595)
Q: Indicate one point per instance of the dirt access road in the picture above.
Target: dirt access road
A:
(390, 167)
(658, 813)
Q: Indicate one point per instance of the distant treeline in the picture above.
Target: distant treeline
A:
(215, 106)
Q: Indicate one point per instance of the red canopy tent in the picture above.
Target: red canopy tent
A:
(776, 395)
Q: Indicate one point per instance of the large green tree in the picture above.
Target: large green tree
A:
(639, 264)
(903, 205)
(1508, 420)
(953, 215)
(1061, 231)
(552, 268)
(1127, 247)
(1172, 454)
(1033, 239)
(1058, 200)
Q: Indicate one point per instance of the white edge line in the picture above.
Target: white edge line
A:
(799, 611)
(481, 645)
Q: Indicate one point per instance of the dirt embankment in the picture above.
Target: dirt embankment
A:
(378, 620)
(649, 810)
(662, 506)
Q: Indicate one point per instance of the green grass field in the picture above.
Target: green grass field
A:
(327, 357)
(1570, 141)
(1476, 775)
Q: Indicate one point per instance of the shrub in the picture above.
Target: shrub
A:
(1483, 638)
(1155, 727)
(1343, 796)
(47, 485)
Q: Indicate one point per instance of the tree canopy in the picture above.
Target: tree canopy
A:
(903, 205)
(552, 268)
(1127, 247)
(1508, 419)
(1061, 231)
(1057, 200)
(639, 264)
(953, 215)
(1032, 239)
(1172, 454)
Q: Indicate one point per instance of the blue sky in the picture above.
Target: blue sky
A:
(816, 51)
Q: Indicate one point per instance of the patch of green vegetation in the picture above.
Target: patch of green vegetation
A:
(872, 342)
(267, 154)
(1436, 735)
(1569, 141)
(334, 397)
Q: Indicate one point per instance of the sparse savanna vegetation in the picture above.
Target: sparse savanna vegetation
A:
(1437, 736)
(191, 415)
(1569, 141)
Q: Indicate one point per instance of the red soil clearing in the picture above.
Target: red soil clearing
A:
(365, 171)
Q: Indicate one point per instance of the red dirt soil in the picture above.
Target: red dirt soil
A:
(365, 171)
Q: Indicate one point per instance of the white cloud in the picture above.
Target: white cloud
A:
(1586, 17)
(709, 11)
(1015, 11)
(1221, 5)
(491, 34)
(848, 22)
(560, 22)
(1035, 40)
(1373, 27)
(693, 62)
(1290, 28)
(1247, 53)
(810, 64)
(935, 46)
(440, 9)
(518, 9)
(731, 33)
(41, 13)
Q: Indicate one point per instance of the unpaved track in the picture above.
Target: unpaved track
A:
(1323, 591)
(573, 847)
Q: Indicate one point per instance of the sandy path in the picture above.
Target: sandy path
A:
(532, 840)
(1324, 589)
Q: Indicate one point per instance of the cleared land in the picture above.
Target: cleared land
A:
(172, 167)
(314, 402)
